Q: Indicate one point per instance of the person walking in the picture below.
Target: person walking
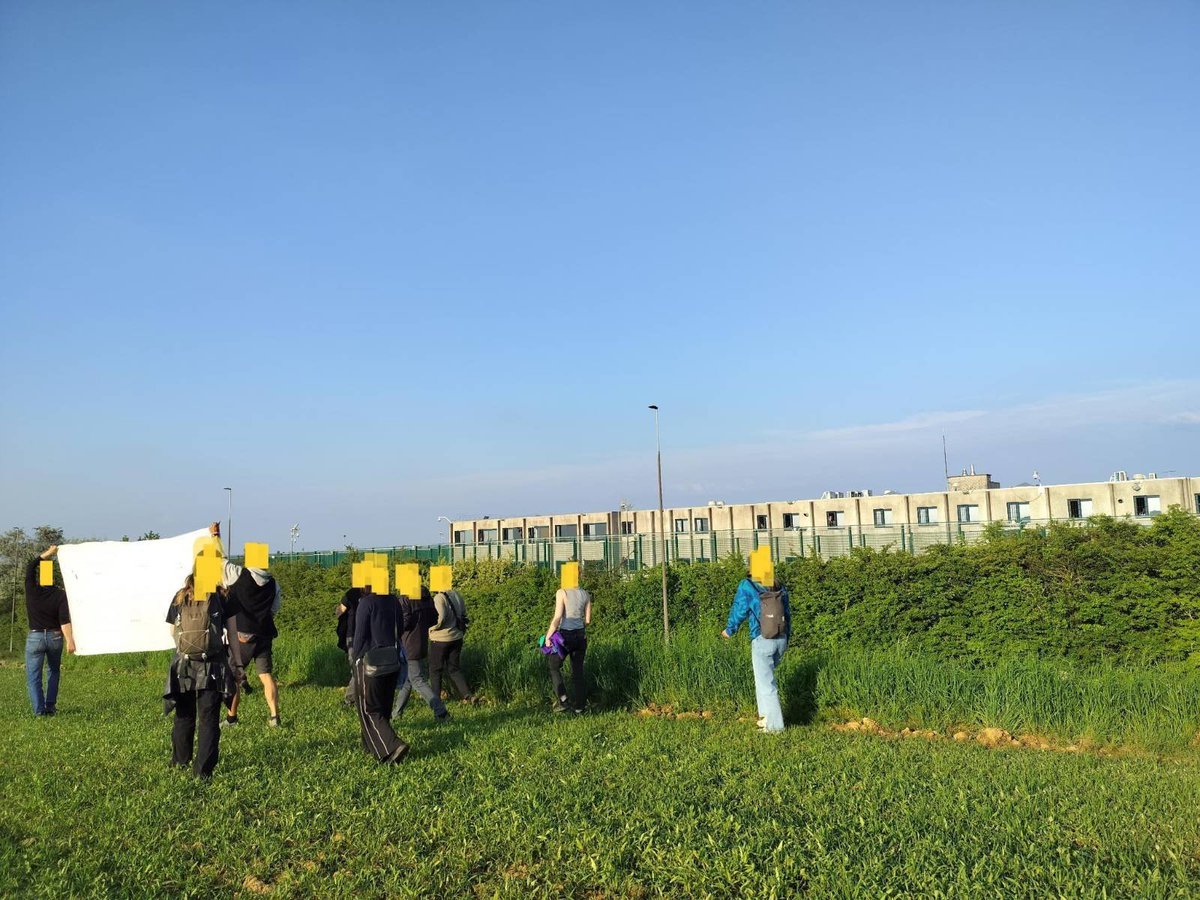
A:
(764, 602)
(205, 671)
(378, 664)
(346, 611)
(49, 628)
(446, 635)
(257, 596)
(572, 615)
(419, 616)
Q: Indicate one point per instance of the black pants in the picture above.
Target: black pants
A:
(447, 656)
(575, 643)
(205, 705)
(374, 697)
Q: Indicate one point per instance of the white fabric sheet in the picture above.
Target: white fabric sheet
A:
(119, 591)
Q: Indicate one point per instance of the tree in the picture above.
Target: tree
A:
(150, 536)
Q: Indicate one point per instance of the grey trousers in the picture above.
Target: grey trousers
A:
(417, 680)
(351, 693)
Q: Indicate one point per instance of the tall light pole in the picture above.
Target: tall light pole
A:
(229, 524)
(662, 529)
(295, 533)
(448, 524)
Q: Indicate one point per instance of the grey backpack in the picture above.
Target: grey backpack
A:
(772, 623)
(197, 632)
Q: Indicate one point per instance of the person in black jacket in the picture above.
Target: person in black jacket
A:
(347, 609)
(257, 597)
(196, 687)
(419, 616)
(378, 622)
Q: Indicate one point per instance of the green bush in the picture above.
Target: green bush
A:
(1114, 591)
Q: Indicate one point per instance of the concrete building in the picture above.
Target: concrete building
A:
(829, 525)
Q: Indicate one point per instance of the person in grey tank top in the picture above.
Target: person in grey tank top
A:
(572, 615)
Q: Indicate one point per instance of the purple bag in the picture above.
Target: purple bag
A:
(555, 645)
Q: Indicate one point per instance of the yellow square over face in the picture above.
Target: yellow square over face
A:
(208, 575)
(379, 580)
(257, 556)
(360, 575)
(46, 572)
(570, 576)
(762, 569)
(441, 578)
(408, 580)
(207, 546)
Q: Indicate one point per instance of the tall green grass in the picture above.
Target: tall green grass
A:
(1154, 708)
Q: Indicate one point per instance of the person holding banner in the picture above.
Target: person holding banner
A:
(49, 626)
(257, 597)
(207, 667)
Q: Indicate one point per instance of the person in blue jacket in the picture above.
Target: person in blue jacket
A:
(765, 653)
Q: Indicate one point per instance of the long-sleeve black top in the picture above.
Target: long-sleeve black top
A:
(377, 623)
(419, 616)
(46, 606)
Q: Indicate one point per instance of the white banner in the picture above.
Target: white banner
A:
(119, 591)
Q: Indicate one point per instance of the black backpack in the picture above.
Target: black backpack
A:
(198, 631)
(772, 623)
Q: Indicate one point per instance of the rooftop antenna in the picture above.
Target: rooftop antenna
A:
(1037, 479)
(945, 461)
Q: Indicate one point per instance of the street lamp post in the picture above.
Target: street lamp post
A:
(229, 523)
(662, 529)
(295, 533)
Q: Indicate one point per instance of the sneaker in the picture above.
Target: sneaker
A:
(471, 700)
(51, 711)
(229, 721)
(559, 706)
(273, 722)
(398, 754)
(444, 717)
(578, 710)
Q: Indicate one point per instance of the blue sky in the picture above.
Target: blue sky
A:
(371, 263)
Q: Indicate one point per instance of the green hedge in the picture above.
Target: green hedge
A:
(1113, 591)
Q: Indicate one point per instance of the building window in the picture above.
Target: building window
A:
(487, 535)
(626, 528)
(595, 529)
(927, 515)
(1018, 512)
(834, 518)
(760, 522)
(513, 534)
(968, 512)
(566, 531)
(680, 526)
(538, 532)
(1198, 504)
(883, 517)
(1081, 509)
(792, 520)
(701, 525)
(1147, 506)
(462, 537)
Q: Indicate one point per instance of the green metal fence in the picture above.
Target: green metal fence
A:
(327, 559)
(636, 551)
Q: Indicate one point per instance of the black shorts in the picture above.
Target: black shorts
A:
(258, 650)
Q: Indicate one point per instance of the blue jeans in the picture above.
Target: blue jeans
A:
(40, 647)
(765, 654)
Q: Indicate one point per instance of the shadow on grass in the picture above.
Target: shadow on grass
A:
(798, 687)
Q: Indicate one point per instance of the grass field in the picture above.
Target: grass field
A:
(509, 801)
